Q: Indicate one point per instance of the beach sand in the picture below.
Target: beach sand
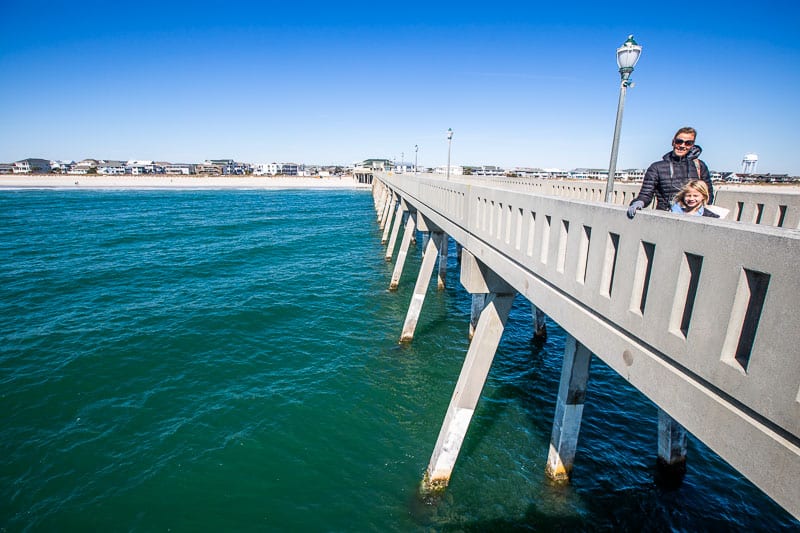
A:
(60, 181)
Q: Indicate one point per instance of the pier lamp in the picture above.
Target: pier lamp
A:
(449, 142)
(627, 56)
(416, 149)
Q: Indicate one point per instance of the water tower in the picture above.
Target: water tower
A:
(749, 163)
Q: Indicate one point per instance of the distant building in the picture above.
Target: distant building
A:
(455, 170)
(381, 165)
(179, 168)
(111, 168)
(32, 166)
(83, 167)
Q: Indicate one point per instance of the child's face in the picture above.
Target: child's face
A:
(693, 198)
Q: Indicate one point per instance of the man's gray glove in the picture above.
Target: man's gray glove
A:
(635, 206)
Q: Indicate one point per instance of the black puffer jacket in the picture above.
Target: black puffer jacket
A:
(665, 178)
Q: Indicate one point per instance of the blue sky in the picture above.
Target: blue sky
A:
(521, 83)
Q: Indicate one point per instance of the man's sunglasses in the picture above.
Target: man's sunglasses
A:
(679, 142)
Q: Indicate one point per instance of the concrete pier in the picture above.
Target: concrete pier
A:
(539, 325)
(421, 287)
(478, 303)
(441, 279)
(402, 214)
(387, 222)
(477, 279)
(408, 234)
(699, 326)
(671, 465)
(569, 410)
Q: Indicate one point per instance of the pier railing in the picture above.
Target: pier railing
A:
(699, 315)
(777, 206)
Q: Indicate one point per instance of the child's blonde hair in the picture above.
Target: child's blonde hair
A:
(697, 185)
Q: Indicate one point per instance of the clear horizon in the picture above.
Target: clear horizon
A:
(520, 84)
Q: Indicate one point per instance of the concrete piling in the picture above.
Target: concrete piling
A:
(569, 410)
(467, 392)
(402, 214)
(408, 233)
(671, 465)
(539, 325)
(423, 280)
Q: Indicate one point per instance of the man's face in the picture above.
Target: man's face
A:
(682, 143)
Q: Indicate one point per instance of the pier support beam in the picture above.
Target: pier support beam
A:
(539, 325)
(380, 205)
(478, 303)
(402, 214)
(671, 466)
(569, 410)
(408, 233)
(499, 296)
(423, 280)
(443, 246)
(467, 392)
(386, 223)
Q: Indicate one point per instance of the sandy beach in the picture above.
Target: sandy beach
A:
(14, 181)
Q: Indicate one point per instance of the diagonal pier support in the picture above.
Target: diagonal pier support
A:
(408, 235)
(569, 410)
(491, 324)
(402, 214)
(386, 223)
(423, 280)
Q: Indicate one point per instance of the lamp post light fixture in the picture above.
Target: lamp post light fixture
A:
(627, 56)
(416, 149)
(449, 142)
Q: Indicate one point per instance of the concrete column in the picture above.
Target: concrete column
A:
(423, 280)
(478, 303)
(380, 205)
(671, 466)
(539, 325)
(569, 410)
(408, 233)
(426, 235)
(389, 218)
(402, 214)
(387, 212)
(467, 392)
(442, 277)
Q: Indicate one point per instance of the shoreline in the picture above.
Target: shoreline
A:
(58, 181)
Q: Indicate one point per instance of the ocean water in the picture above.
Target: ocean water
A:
(229, 361)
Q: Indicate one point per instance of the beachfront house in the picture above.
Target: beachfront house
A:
(83, 167)
(111, 168)
(61, 166)
(183, 169)
(32, 165)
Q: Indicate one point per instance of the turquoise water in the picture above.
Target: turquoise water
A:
(228, 361)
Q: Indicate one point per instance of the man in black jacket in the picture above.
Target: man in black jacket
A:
(665, 178)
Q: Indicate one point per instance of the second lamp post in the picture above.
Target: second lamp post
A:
(449, 142)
